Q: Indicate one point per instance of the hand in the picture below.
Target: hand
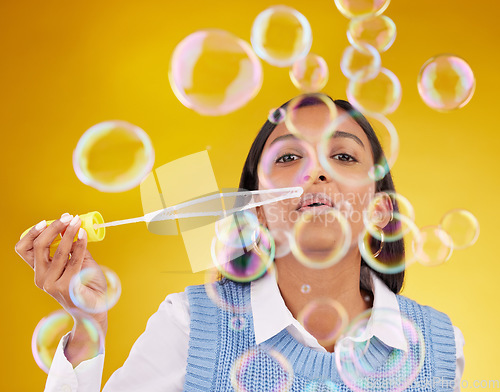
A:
(53, 274)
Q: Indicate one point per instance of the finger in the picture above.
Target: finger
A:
(41, 248)
(61, 255)
(77, 256)
(24, 247)
(51, 232)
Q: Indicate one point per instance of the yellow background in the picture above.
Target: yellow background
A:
(66, 66)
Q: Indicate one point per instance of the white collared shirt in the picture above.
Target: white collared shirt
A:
(158, 359)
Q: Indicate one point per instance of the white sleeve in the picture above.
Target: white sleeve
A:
(157, 361)
(459, 344)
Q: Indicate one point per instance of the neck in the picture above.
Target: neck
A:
(339, 282)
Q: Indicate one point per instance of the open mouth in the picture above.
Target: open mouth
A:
(316, 201)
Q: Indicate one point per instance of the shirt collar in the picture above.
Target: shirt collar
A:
(271, 315)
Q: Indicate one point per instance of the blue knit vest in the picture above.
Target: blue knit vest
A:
(219, 336)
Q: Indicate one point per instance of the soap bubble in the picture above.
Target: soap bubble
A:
(212, 283)
(462, 226)
(364, 58)
(437, 246)
(377, 31)
(113, 156)
(305, 289)
(281, 35)
(238, 230)
(214, 72)
(381, 94)
(358, 175)
(330, 312)
(356, 349)
(300, 125)
(281, 158)
(373, 215)
(280, 379)
(369, 245)
(276, 115)
(53, 327)
(247, 263)
(321, 237)
(446, 82)
(357, 8)
(92, 279)
(310, 73)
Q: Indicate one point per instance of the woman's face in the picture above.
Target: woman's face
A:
(292, 162)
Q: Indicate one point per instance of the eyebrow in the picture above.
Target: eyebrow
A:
(337, 134)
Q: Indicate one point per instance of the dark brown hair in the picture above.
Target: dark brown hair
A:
(391, 250)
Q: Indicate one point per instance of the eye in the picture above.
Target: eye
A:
(344, 157)
(285, 158)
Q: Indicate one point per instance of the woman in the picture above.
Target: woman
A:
(191, 344)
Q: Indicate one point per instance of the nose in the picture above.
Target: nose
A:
(320, 177)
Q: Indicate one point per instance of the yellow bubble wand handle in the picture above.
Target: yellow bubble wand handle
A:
(88, 221)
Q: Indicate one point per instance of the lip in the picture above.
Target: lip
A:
(311, 198)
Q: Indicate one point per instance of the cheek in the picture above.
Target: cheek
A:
(352, 202)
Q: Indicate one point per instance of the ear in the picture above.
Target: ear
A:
(382, 209)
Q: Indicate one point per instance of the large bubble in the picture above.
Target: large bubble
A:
(377, 31)
(86, 289)
(437, 246)
(446, 82)
(280, 378)
(310, 73)
(321, 236)
(381, 94)
(52, 328)
(113, 156)
(358, 8)
(462, 226)
(343, 167)
(281, 35)
(363, 58)
(243, 263)
(356, 353)
(214, 72)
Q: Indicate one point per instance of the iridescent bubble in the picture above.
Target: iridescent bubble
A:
(437, 246)
(310, 73)
(238, 323)
(356, 348)
(53, 327)
(85, 289)
(383, 261)
(446, 82)
(377, 31)
(364, 58)
(238, 230)
(321, 237)
(305, 289)
(280, 379)
(327, 312)
(113, 156)
(375, 214)
(381, 94)
(247, 263)
(357, 8)
(214, 72)
(325, 113)
(212, 282)
(281, 35)
(462, 226)
(276, 115)
(279, 166)
(360, 174)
